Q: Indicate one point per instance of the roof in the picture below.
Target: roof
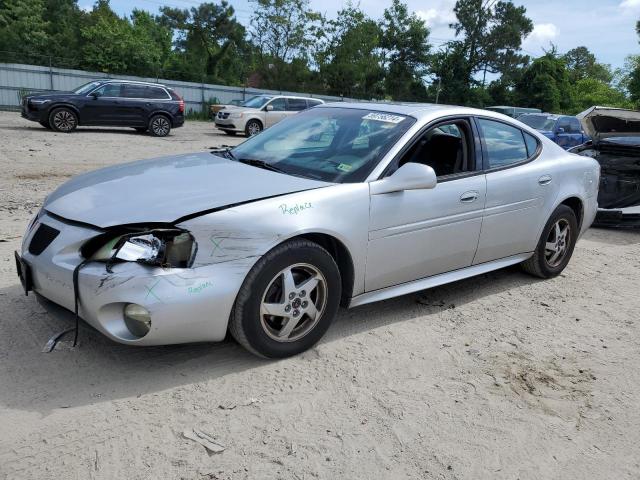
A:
(412, 109)
(122, 80)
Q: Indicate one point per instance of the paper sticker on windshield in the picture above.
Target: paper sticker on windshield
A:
(383, 117)
(344, 167)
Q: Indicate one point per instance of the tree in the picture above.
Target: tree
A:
(284, 33)
(349, 62)
(588, 92)
(405, 49)
(23, 30)
(581, 64)
(545, 84)
(209, 31)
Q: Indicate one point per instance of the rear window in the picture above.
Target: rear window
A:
(296, 104)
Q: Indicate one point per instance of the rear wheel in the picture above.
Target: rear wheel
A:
(253, 127)
(159, 126)
(63, 120)
(555, 246)
(288, 300)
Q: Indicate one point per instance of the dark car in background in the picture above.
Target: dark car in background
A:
(615, 144)
(565, 130)
(113, 103)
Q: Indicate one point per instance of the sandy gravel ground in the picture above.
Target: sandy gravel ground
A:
(501, 376)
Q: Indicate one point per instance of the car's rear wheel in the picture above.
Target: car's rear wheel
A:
(288, 300)
(63, 120)
(159, 126)
(253, 127)
(555, 246)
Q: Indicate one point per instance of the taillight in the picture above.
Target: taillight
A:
(181, 106)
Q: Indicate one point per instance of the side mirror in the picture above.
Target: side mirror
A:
(560, 130)
(269, 108)
(410, 176)
(95, 95)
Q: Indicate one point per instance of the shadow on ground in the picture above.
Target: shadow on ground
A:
(99, 369)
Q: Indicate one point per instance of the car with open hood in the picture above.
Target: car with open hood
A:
(343, 204)
(615, 144)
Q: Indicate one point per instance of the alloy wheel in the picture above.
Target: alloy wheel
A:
(293, 302)
(64, 121)
(253, 128)
(558, 242)
(160, 126)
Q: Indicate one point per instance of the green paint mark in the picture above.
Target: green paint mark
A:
(150, 291)
(216, 245)
(294, 209)
(200, 287)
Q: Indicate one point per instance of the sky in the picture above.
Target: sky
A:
(606, 27)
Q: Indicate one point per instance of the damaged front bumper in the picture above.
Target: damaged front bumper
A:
(185, 304)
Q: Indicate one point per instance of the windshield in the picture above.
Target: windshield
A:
(539, 122)
(86, 88)
(256, 102)
(340, 145)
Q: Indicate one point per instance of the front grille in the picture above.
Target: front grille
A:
(223, 115)
(42, 239)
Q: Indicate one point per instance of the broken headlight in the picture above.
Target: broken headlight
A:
(160, 247)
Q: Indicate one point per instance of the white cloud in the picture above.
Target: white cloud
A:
(630, 5)
(86, 8)
(440, 15)
(543, 32)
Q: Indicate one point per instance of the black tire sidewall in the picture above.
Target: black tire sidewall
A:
(568, 214)
(257, 284)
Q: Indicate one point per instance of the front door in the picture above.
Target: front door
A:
(418, 233)
(276, 110)
(519, 188)
(101, 107)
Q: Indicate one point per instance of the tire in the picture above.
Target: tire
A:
(253, 127)
(230, 133)
(264, 290)
(159, 125)
(140, 129)
(45, 124)
(63, 120)
(556, 244)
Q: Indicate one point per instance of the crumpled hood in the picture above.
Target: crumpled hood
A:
(166, 189)
(604, 122)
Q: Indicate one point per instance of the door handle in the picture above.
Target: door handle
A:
(469, 197)
(545, 180)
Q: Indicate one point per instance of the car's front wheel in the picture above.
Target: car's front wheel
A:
(555, 246)
(288, 300)
(253, 127)
(63, 120)
(159, 126)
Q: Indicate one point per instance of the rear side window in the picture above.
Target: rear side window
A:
(532, 143)
(156, 93)
(296, 104)
(503, 144)
(313, 103)
(135, 91)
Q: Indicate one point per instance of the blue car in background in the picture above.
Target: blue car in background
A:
(565, 130)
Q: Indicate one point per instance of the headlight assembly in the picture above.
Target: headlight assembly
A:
(159, 247)
(38, 102)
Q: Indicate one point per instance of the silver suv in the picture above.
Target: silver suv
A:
(260, 112)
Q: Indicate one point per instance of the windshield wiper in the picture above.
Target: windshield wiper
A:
(261, 164)
(225, 151)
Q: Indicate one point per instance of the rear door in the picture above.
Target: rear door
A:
(295, 105)
(518, 187)
(135, 105)
(568, 132)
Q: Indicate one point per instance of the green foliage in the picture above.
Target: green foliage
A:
(545, 85)
(23, 28)
(582, 64)
(592, 91)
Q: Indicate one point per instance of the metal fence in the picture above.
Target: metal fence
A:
(16, 79)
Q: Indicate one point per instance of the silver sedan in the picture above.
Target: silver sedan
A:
(341, 205)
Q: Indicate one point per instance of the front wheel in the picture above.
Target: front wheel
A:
(253, 127)
(288, 300)
(159, 126)
(63, 120)
(555, 246)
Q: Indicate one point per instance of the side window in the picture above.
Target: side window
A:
(446, 148)
(532, 143)
(564, 124)
(279, 105)
(313, 103)
(575, 126)
(108, 90)
(504, 145)
(135, 91)
(296, 104)
(156, 93)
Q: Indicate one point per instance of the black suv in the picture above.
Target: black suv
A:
(113, 103)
